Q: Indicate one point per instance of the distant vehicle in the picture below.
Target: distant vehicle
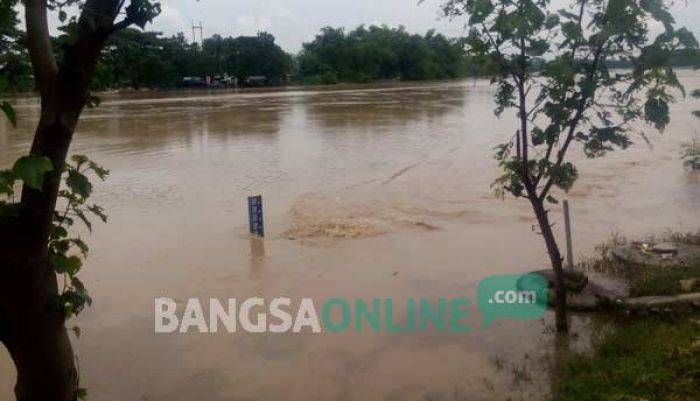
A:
(256, 80)
(212, 82)
(193, 82)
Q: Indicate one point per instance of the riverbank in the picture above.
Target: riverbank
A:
(376, 85)
(647, 358)
(651, 352)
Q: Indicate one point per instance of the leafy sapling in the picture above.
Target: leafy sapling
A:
(550, 66)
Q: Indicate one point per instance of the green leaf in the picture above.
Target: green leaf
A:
(79, 184)
(59, 232)
(480, 11)
(537, 48)
(68, 309)
(67, 264)
(551, 21)
(564, 175)
(572, 31)
(659, 11)
(80, 290)
(100, 171)
(656, 112)
(76, 298)
(7, 182)
(81, 215)
(81, 245)
(79, 160)
(31, 170)
(62, 16)
(142, 12)
(98, 211)
(60, 219)
(9, 112)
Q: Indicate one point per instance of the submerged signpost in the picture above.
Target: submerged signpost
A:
(256, 222)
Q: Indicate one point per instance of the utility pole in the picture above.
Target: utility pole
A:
(194, 32)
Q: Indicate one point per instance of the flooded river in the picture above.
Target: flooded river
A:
(370, 192)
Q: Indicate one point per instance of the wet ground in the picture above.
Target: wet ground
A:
(370, 192)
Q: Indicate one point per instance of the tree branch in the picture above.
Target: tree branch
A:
(39, 44)
(121, 25)
(522, 114)
(63, 95)
(102, 13)
(574, 123)
(125, 23)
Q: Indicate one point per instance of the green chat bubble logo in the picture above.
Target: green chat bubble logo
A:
(513, 296)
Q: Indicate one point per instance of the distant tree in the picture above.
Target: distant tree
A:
(135, 58)
(690, 151)
(574, 98)
(259, 55)
(14, 60)
(186, 59)
(366, 54)
(696, 95)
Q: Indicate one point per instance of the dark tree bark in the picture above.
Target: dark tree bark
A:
(557, 265)
(32, 321)
(36, 336)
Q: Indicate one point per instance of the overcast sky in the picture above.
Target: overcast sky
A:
(294, 22)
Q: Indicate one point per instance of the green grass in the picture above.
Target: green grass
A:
(642, 359)
(654, 280)
(647, 280)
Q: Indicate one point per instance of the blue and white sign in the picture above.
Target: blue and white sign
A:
(255, 216)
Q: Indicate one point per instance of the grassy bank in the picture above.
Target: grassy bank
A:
(642, 359)
(649, 279)
(648, 356)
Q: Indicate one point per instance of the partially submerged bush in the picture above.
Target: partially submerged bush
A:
(690, 153)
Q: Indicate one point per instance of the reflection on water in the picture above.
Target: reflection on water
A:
(257, 255)
(370, 192)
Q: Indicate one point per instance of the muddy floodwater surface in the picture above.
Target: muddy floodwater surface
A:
(369, 192)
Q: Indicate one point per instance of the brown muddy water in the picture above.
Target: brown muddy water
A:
(370, 192)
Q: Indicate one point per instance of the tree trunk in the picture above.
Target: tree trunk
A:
(556, 261)
(41, 350)
(32, 320)
(35, 333)
(45, 365)
(32, 327)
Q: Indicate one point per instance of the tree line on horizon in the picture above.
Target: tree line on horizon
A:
(381, 53)
(139, 59)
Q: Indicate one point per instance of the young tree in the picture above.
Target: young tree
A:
(32, 236)
(551, 67)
